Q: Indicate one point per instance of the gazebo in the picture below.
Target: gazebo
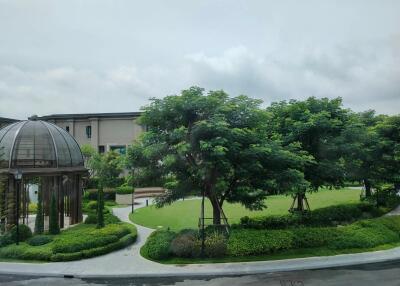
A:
(41, 153)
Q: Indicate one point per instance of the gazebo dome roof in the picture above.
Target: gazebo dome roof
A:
(36, 144)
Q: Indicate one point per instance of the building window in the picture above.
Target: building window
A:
(121, 149)
(67, 128)
(89, 131)
(102, 149)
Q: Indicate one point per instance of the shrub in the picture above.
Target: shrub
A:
(24, 232)
(109, 194)
(215, 245)
(329, 216)
(254, 242)
(5, 240)
(158, 244)
(124, 190)
(186, 245)
(306, 237)
(25, 252)
(91, 205)
(91, 219)
(39, 240)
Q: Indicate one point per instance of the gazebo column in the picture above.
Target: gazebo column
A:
(11, 203)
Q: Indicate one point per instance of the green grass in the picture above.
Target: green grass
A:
(185, 214)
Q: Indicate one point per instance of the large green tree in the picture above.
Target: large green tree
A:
(107, 167)
(317, 125)
(210, 143)
(388, 131)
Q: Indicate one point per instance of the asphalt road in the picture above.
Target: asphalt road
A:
(385, 274)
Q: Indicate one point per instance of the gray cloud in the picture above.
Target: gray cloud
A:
(104, 56)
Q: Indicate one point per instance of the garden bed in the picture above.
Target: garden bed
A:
(79, 242)
(259, 244)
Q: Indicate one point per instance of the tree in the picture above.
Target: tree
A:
(39, 220)
(388, 131)
(315, 124)
(107, 167)
(214, 145)
(360, 146)
(54, 227)
(100, 207)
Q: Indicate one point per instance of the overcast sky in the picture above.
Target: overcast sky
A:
(112, 56)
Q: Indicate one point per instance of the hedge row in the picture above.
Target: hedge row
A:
(329, 216)
(362, 234)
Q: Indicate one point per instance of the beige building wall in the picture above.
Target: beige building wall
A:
(106, 133)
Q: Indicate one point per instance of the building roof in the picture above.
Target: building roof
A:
(89, 115)
(36, 144)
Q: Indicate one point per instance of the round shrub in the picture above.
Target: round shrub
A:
(5, 240)
(39, 240)
(124, 190)
(24, 232)
(91, 219)
(158, 244)
(215, 245)
(186, 245)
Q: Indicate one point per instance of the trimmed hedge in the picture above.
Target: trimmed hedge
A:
(329, 216)
(157, 245)
(39, 240)
(109, 194)
(362, 234)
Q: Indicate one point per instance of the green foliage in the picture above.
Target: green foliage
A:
(81, 241)
(5, 239)
(91, 206)
(215, 245)
(328, 216)
(186, 244)
(54, 227)
(91, 219)
(24, 232)
(361, 234)
(255, 242)
(124, 190)
(157, 245)
(39, 219)
(107, 167)
(39, 240)
(211, 142)
(109, 194)
(100, 208)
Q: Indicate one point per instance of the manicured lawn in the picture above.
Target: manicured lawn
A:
(185, 214)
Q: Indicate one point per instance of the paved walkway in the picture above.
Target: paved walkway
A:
(128, 262)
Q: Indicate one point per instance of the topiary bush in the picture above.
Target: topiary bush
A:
(157, 245)
(24, 232)
(39, 240)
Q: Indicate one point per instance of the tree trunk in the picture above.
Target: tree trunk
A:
(216, 211)
(300, 202)
(367, 185)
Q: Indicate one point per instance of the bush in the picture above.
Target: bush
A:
(306, 237)
(5, 240)
(124, 190)
(186, 244)
(215, 245)
(329, 216)
(158, 244)
(91, 219)
(24, 233)
(254, 242)
(109, 218)
(109, 194)
(91, 205)
(39, 240)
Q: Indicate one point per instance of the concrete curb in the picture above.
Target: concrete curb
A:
(217, 269)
